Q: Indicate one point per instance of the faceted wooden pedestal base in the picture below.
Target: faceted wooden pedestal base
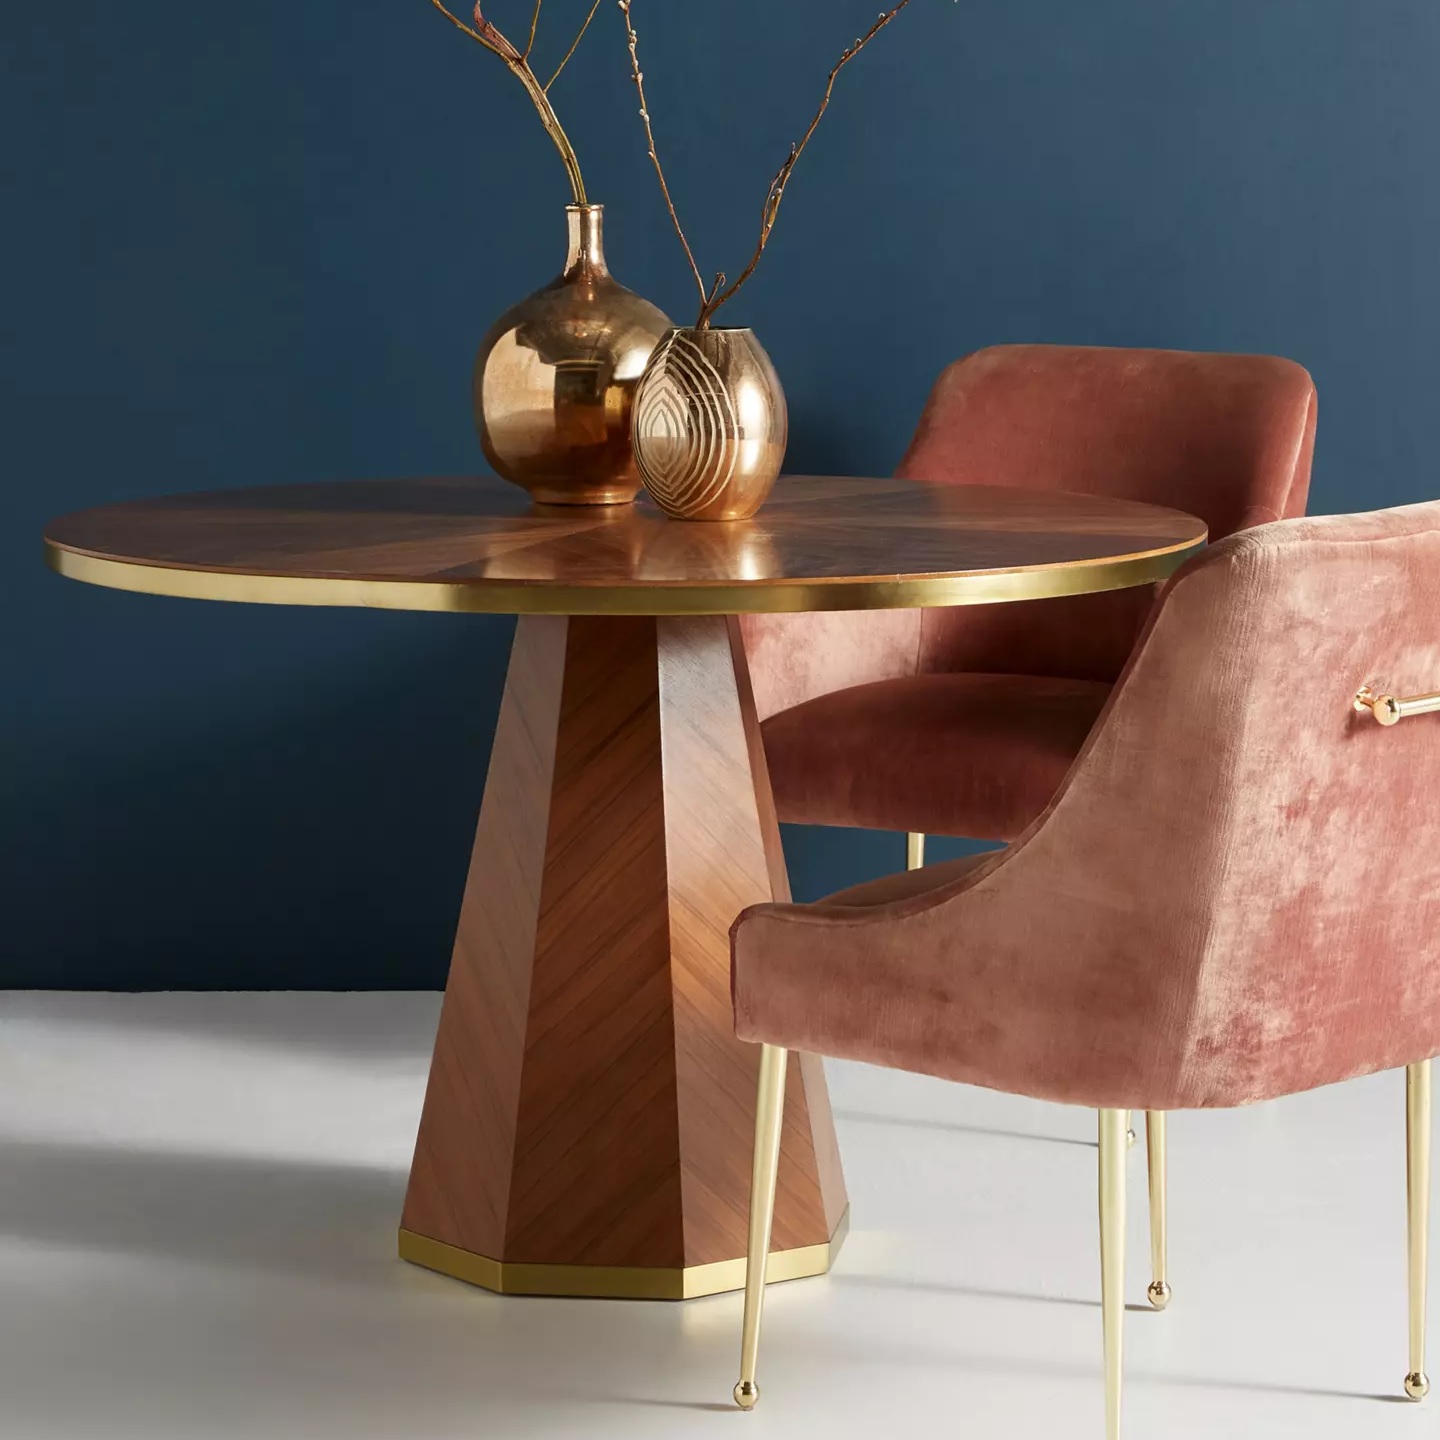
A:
(589, 1119)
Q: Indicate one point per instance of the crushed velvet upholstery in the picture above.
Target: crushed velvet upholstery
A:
(1235, 893)
(1227, 437)
(879, 754)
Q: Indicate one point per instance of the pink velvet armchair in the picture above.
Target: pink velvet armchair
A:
(1234, 895)
(963, 722)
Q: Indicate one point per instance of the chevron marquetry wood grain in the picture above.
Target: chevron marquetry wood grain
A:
(473, 1097)
(589, 1104)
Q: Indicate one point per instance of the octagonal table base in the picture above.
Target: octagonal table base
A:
(588, 1124)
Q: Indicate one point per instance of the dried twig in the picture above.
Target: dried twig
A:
(574, 45)
(638, 76)
(717, 296)
(518, 63)
(776, 192)
(487, 35)
(534, 26)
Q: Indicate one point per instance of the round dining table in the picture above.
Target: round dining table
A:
(588, 1121)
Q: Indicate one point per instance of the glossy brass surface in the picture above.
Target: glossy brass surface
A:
(632, 598)
(616, 1282)
(1112, 1259)
(1158, 1290)
(914, 850)
(710, 425)
(769, 1112)
(1418, 1133)
(1391, 709)
(556, 375)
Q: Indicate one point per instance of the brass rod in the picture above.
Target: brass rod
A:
(1155, 1135)
(1391, 709)
(769, 1114)
(1418, 1121)
(1112, 1259)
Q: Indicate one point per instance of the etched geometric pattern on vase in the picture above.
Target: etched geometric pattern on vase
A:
(709, 425)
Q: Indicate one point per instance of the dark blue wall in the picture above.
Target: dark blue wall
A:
(259, 242)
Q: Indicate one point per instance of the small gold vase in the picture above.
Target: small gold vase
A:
(710, 424)
(556, 376)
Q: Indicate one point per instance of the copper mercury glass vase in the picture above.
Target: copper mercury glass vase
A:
(710, 424)
(556, 376)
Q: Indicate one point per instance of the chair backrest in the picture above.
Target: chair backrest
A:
(1226, 437)
(1254, 864)
(1229, 438)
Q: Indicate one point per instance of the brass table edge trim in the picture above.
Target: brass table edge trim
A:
(986, 587)
(616, 1282)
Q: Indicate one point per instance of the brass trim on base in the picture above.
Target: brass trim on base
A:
(616, 1282)
(981, 587)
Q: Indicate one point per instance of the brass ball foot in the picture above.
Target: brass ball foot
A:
(747, 1392)
(1158, 1294)
(1417, 1385)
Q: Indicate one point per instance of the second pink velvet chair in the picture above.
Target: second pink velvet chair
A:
(964, 721)
(1234, 895)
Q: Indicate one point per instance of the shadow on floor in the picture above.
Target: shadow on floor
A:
(906, 1122)
(334, 1223)
(322, 1220)
(972, 1292)
(364, 1026)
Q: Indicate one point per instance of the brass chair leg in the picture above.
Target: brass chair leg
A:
(1112, 1258)
(1159, 1290)
(914, 850)
(1417, 1177)
(1129, 1129)
(769, 1114)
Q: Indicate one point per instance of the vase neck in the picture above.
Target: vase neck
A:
(586, 255)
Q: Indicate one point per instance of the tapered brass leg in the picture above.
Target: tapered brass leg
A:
(1159, 1291)
(914, 850)
(769, 1112)
(1417, 1138)
(1112, 1258)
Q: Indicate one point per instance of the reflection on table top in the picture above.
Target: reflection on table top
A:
(477, 544)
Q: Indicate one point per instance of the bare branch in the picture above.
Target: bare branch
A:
(574, 46)
(638, 76)
(534, 25)
(479, 37)
(484, 33)
(776, 193)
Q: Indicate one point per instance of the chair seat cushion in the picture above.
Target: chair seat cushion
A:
(960, 754)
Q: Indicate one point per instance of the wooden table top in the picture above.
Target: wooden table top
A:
(477, 544)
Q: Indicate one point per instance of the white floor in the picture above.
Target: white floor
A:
(198, 1200)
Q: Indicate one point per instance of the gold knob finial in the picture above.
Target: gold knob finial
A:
(1385, 708)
